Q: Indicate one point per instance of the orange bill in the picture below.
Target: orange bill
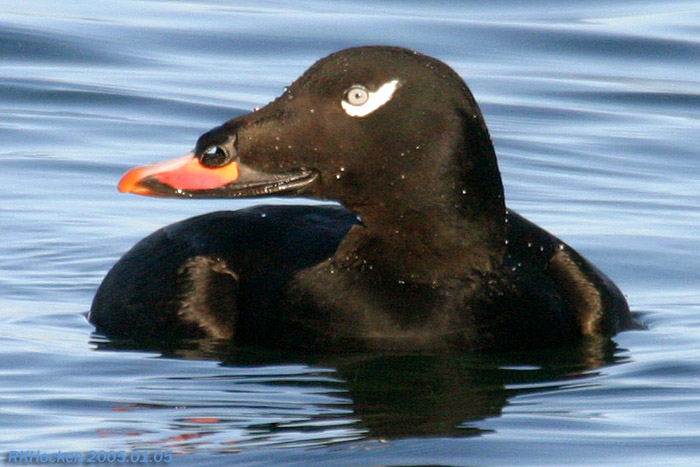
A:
(182, 173)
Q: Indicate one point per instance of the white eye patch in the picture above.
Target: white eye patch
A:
(358, 101)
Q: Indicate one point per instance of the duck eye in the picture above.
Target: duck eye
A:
(358, 101)
(356, 95)
(213, 157)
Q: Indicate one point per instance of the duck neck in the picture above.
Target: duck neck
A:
(425, 246)
(440, 234)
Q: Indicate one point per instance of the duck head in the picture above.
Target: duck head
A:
(389, 133)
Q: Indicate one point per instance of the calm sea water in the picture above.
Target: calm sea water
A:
(594, 108)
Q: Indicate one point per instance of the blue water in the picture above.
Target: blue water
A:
(594, 109)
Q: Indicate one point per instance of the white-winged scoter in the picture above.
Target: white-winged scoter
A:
(423, 253)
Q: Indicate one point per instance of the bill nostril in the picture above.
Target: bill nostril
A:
(219, 155)
(214, 157)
